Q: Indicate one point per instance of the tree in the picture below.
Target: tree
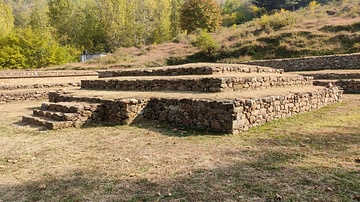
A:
(6, 19)
(204, 14)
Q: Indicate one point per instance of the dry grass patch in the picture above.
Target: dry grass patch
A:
(311, 156)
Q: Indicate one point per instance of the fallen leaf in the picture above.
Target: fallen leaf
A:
(12, 161)
(328, 189)
(41, 187)
(315, 199)
(279, 198)
(356, 198)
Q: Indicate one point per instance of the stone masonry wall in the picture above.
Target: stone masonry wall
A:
(252, 112)
(229, 116)
(198, 84)
(20, 96)
(190, 69)
(333, 75)
(347, 61)
(40, 74)
(37, 86)
(348, 86)
(122, 111)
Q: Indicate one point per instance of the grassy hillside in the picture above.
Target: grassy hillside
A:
(319, 30)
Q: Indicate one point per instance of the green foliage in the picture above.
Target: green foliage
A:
(6, 19)
(278, 20)
(203, 14)
(25, 48)
(237, 12)
(206, 43)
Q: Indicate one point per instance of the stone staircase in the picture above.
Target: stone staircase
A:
(64, 114)
(347, 80)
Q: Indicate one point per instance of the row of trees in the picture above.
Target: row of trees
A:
(37, 33)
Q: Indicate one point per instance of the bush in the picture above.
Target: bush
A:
(206, 43)
(278, 20)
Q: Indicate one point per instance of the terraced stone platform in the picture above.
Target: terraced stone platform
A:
(347, 80)
(205, 101)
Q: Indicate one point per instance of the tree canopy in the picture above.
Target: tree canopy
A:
(203, 14)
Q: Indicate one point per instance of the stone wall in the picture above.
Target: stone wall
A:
(198, 84)
(333, 75)
(39, 74)
(347, 61)
(348, 86)
(189, 69)
(228, 116)
(37, 86)
(20, 96)
(122, 111)
(252, 112)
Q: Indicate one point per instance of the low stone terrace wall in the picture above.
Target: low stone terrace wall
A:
(192, 69)
(198, 84)
(21, 96)
(348, 86)
(333, 75)
(346, 61)
(37, 86)
(122, 111)
(228, 116)
(40, 74)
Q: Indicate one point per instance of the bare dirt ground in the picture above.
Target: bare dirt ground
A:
(309, 157)
(52, 80)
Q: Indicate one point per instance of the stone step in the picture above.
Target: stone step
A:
(46, 122)
(69, 107)
(347, 85)
(58, 116)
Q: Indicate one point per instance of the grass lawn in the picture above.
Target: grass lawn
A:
(312, 156)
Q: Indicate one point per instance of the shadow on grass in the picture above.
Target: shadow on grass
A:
(173, 130)
(267, 177)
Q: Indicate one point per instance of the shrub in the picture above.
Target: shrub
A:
(206, 43)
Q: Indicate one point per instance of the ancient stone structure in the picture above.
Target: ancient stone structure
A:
(41, 74)
(190, 69)
(346, 61)
(222, 115)
(198, 84)
(348, 86)
(229, 116)
(39, 86)
(28, 95)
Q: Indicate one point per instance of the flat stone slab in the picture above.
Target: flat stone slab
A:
(7, 74)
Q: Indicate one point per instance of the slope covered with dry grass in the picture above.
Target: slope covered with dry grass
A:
(322, 30)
